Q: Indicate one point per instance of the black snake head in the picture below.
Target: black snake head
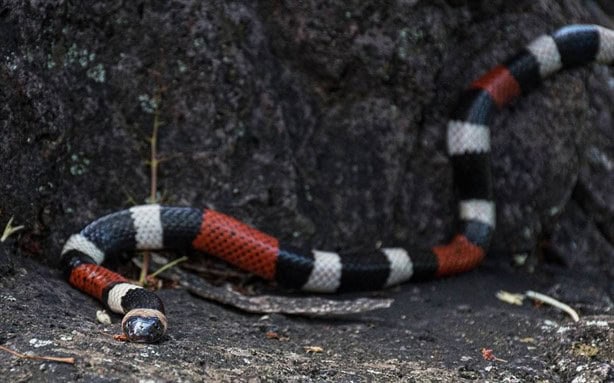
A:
(144, 325)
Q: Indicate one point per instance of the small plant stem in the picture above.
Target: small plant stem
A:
(154, 161)
(153, 167)
(169, 265)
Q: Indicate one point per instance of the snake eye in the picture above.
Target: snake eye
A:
(144, 326)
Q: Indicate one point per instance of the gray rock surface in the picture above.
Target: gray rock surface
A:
(319, 122)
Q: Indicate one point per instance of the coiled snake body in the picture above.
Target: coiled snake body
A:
(468, 143)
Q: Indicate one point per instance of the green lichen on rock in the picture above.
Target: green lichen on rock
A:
(97, 73)
(75, 56)
(79, 164)
(148, 104)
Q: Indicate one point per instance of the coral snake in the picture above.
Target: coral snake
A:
(468, 143)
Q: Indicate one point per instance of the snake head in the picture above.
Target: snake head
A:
(144, 325)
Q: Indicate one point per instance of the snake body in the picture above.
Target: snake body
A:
(468, 142)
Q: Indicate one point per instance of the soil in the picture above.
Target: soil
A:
(321, 123)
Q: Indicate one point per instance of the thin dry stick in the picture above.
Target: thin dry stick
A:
(34, 357)
(153, 167)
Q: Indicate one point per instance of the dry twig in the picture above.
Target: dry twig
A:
(68, 360)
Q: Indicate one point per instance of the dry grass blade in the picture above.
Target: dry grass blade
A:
(9, 230)
(554, 303)
(168, 266)
(518, 299)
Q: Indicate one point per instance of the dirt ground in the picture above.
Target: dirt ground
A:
(434, 332)
(319, 122)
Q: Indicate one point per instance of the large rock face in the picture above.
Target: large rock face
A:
(319, 122)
